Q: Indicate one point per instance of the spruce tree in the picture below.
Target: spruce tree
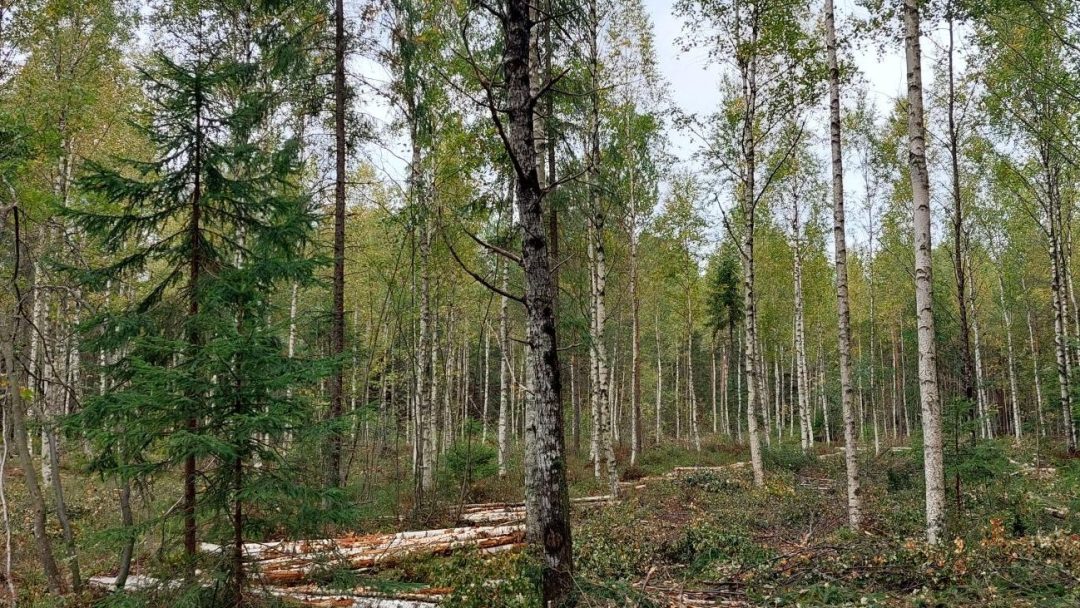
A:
(209, 228)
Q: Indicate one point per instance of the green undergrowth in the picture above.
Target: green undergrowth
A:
(1013, 534)
(1013, 541)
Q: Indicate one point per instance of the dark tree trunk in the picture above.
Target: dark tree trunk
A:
(547, 500)
(128, 522)
(190, 532)
(238, 533)
(337, 321)
(968, 375)
(15, 411)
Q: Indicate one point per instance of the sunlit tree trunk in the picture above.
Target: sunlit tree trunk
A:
(635, 335)
(659, 380)
(986, 420)
(425, 373)
(1033, 348)
(712, 387)
(920, 186)
(739, 370)
(851, 463)
(824, 401)
(802, 378)
(694, 430)
(504, 374)
(1060, 298)
(750, 355)
(486, 384)
(1014, 399)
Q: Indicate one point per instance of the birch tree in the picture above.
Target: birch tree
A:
(920, 187)
(770, 71)
(851, 463)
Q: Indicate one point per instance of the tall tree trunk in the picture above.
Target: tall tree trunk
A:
(1014, 399)
(575, 405)
(677, 398)
(903, 385)
(431, 430)
(753, 392)
(193, 336)
(802, 378)
(598, 261)
(237, 560)
(778, 394)
(968, 363)
(761, 377)
(1035, 372)
(920, 187)
(504, 372)
(740, 367)
(725, 384)
(16, 414)
(695, 432)
(1058, 288)
(821, 395)
(659, 380)
(851, 462)
(547, 501)
(425, 363)
(72, 558)
(337, 319)
(985, 419)
(895, 397)
(872, 322)
(635, 333)
(486, 384)
(712, 386)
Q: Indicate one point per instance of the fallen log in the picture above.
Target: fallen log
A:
(136, 582)
(361, 597)
(306, 595)
(677, 596)
(492, 513)
(292, 562)
(494, 516)
(353, 544)
(677, 471)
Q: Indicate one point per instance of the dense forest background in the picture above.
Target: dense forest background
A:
(290, 270)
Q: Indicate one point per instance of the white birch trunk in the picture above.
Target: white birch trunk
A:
(920, 186)
(854, 499)
(504, 375)
(1018, 426)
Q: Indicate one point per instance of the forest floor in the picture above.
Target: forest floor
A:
(687, 537)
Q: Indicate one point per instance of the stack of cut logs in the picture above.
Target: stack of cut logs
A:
(292, 562)
(285, 568)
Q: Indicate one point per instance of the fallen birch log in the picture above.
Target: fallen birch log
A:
(506, 512)
(677, 471)
(291, 562)
(137, 582)
(317, 597)
(307, 595)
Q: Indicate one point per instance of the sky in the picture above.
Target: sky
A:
(694, 82)
(693, 86)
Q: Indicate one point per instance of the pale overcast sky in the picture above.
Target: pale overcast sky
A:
(693, 86)
(693, 81)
